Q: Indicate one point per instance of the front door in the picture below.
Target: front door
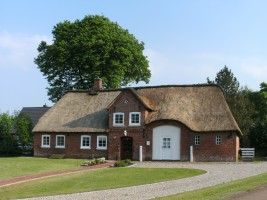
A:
(166, 148)
(126, 148)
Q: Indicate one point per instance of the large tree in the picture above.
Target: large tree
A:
(7, 141)
(258, 131)
(93, 47)
(238, 100)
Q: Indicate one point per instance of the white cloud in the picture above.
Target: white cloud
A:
(19, 51)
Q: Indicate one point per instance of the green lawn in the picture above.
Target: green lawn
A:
(221, 191)
(94, 180)
(23, 166)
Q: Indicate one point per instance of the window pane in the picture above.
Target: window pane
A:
(197, 139)
(102, 141)
(118, 118)
(135, 118)
(85, 141)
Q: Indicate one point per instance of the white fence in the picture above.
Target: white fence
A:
(248, 154)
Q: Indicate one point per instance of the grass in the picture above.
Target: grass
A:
(221, 191)
(94, 180)
(24, 166)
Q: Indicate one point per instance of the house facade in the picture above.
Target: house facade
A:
(188, 122)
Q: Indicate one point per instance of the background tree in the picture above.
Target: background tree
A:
(258, 131)
(238, 100)
(23, 127)
(7, 141)
(93, 47)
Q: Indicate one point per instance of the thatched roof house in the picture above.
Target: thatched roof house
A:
(198, 109)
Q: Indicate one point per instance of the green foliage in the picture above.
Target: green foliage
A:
(7, 140)
(238, 101)
(258, 131)
(93, 47)
(23, 127)
(15, 134)
(123, 163)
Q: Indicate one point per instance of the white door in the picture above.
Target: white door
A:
(166, 143)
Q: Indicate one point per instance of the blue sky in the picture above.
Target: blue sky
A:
(186, 41)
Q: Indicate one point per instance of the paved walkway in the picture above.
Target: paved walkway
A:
(217, 173)
(48, 174)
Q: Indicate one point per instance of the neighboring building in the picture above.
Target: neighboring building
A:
(35, 113)
(164, 120)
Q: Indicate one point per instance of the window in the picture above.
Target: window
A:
(118, 119)
(218, 139)
(85, 142)
(101, 142)
(197, 139)
(166, 143)
(135, 118)
(46, 141)
(60, 141)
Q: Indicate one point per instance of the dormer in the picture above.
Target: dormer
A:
(128, 110)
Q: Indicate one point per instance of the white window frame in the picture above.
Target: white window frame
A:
(197, 139)
(85, 147)
(98, 140)
(46, 145)
(130, 118)
(218, 140)
(60, 146)
(114, 119)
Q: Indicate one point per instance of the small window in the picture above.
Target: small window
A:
(85, 142)
(46, 141)
(60, 141)
(101, 142)
(218, 139)
(118, 119)
(135, 118)
(197, 140)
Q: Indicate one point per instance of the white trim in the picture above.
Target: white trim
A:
(106, 138)
(42, 144)
(114, 119)
(130, 118)
(85, 147)
(60, 146)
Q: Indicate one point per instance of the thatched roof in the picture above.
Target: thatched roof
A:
(200, 107)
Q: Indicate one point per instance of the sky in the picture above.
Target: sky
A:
(186, 41)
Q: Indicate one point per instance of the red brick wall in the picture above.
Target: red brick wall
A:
(126, 103)
(208, 150)
(72, 146)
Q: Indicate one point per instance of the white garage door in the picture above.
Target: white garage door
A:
(166, 143)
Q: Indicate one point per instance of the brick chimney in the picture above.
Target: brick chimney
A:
(97, 86)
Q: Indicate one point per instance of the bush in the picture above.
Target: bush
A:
(97, 161)
(123, 163)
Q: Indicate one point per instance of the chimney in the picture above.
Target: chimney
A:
(97, 86)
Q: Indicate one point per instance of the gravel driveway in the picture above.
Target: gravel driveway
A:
(216, 173)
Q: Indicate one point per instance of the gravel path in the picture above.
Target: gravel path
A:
(216, 173)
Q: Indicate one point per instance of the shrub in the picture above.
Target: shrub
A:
(97, 161)
(123, 163)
